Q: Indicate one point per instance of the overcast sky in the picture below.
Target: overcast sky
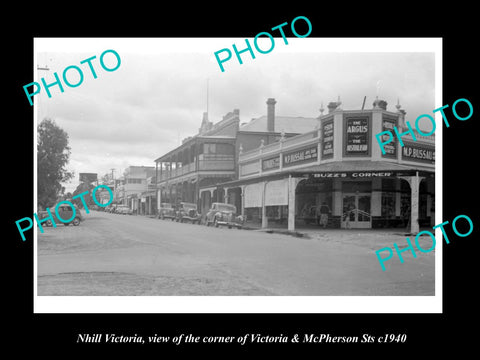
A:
(157, 96)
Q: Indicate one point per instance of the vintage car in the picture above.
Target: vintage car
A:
(124, 210)
(65, 213)
(167, 210)
(224, 214)
(111, 208)
(187, 212)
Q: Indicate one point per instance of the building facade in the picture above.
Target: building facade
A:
(200, 162)
(340, 164)
(193, 171)
(288, 169)
(133, 184)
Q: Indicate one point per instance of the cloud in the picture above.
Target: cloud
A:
(156, 98)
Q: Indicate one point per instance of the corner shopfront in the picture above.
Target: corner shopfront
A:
(338, 164)
(357, 199)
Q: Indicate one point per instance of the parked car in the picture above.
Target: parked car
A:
(167, 210)
(187, 212)
(111, 208)
(65, 212)
(224, 214)
(124, 210)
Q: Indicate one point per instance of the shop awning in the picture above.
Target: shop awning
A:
(148, 193)
(343, 168)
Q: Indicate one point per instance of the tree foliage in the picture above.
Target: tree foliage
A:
(53, 154)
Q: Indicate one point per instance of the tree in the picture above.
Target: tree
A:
(53, 154)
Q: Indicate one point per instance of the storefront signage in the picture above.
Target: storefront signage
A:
(249, 168)
(270, 164)
(300, 156)
(327, 139)
(356, 174)
(391, 147)
(419, 153)
(356, 136)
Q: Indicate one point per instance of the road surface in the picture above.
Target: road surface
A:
(111, 254)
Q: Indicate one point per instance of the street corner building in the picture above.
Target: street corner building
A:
(293, 172)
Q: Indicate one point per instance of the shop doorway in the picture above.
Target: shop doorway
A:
(356, 211)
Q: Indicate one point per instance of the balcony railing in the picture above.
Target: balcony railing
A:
(277, 146)
(211, 165)
(227, 164)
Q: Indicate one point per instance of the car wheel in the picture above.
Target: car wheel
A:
(215, 222)
(49, 223)
(76, 221)
(162, 217)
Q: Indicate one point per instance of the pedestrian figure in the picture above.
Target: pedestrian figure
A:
(350, 211)
(406, 217)
(324, 211)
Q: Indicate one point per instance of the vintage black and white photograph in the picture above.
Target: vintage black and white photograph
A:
(204, 175)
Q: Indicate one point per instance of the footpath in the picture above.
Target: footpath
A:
(370, 238)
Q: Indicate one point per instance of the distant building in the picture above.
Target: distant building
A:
(133, 184)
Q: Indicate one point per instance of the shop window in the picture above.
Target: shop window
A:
(277, 212)
(253, 214)
(388, 204)
(218, 151)
(405, 206)
(225, 149)
(209, 148)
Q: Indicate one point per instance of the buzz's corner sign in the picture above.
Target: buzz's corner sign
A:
(357, 174)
